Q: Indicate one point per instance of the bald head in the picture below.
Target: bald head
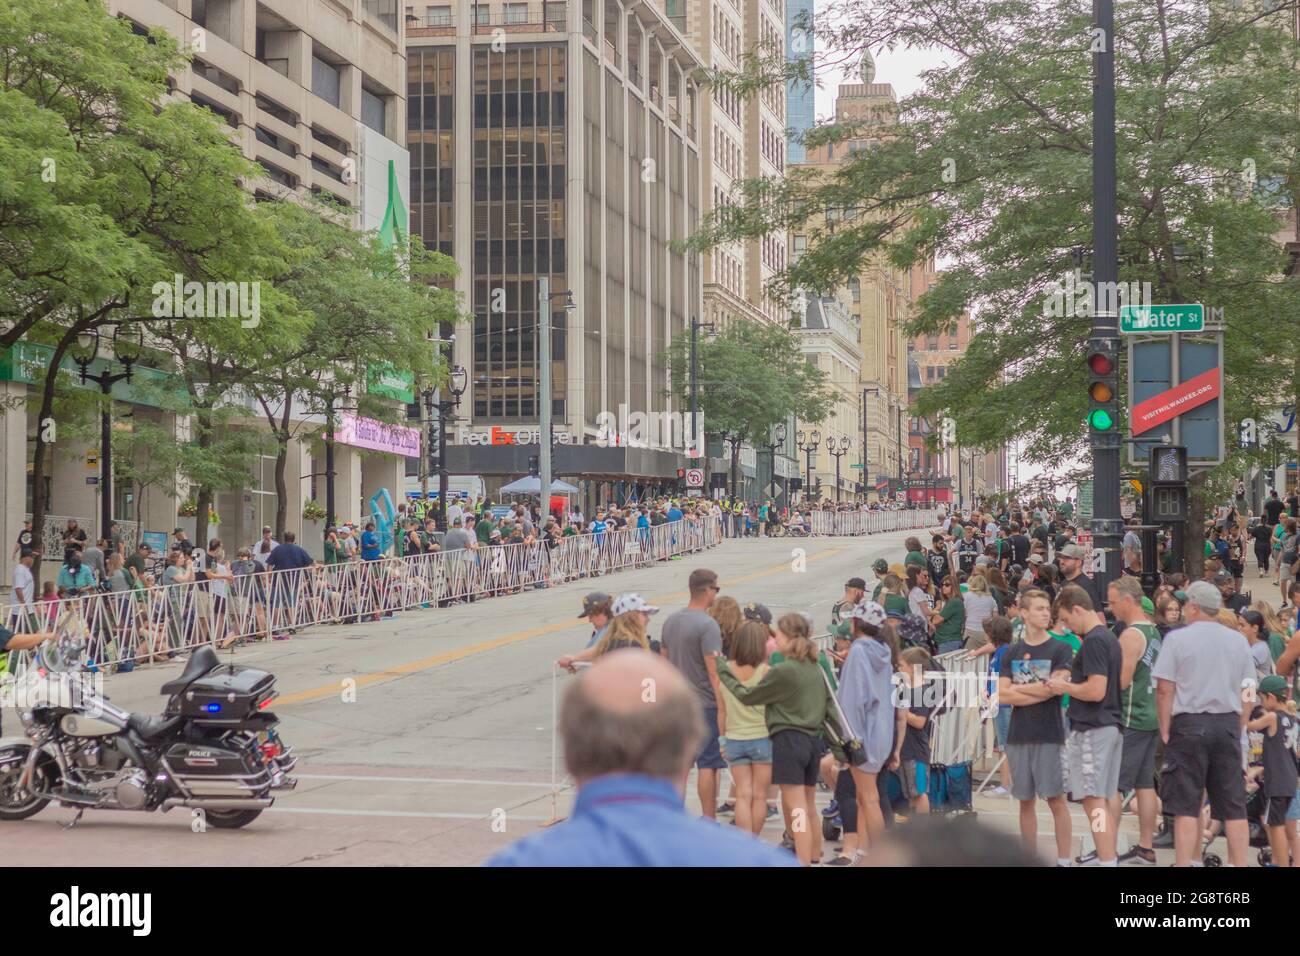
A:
(632, 712)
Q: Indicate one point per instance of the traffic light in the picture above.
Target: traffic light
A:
(1103, 387)
(681, 473)
(1168, 465)
(534, 465)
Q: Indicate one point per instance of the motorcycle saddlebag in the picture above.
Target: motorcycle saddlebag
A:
(227, 695)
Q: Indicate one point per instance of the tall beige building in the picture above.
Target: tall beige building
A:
(880, 297)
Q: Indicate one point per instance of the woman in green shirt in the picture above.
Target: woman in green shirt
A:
(950, 620)
(893, 597)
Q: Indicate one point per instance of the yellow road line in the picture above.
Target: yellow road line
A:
(425, 663)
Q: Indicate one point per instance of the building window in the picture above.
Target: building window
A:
(373, 110)
(325, 80)
(855, 286)
(437, 16)
(516, 13)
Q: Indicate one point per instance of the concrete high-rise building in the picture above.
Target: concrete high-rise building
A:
(801, 106)
(314, 92)
(560, 140)
(311, 89)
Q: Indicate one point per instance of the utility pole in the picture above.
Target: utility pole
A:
(544, 399)
(1107, 525)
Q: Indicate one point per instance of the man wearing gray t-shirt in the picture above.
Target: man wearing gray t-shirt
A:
(1204, 676)
(690, 640)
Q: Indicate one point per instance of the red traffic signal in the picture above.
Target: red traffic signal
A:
(681, 472)
(1101, 363)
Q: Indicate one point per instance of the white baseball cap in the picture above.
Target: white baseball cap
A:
(868, 612)
(632, 602)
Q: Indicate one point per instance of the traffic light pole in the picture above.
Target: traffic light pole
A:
(1107, 525)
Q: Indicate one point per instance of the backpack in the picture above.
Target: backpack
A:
(913, 632)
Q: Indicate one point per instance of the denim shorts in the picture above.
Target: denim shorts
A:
(1003, 724)
(1293, 812)
(741, 752)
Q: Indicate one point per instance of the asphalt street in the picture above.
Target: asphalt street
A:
(428, 739)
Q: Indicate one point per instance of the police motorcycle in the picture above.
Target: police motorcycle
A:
(214, 748)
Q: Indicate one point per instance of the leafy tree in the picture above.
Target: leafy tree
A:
(363, 303)
(108, 189)
(989, 166)
(751, 377)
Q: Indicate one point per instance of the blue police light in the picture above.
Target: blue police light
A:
(212, 708)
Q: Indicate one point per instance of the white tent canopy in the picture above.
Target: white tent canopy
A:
(532, 485)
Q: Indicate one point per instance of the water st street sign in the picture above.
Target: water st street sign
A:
(1183, 317)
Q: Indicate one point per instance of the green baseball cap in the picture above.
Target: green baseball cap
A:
(1147, 606)
(1273, 684)
(880, 564)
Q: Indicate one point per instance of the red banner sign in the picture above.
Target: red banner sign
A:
(1169, 405)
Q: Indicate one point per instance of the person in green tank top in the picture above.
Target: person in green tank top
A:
(1140, 644)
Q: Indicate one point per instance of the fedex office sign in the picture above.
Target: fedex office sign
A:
(497, 435)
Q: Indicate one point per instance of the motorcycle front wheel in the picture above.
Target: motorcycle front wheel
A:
(231, 819)
(17, 803)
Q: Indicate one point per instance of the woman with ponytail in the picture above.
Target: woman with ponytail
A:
(797, 702)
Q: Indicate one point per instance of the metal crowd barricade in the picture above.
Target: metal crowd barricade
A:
(840, 523)
(150, 624)
(959, 731)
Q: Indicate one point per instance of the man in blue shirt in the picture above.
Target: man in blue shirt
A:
(289, 559)
(629, 751)
(369, 543)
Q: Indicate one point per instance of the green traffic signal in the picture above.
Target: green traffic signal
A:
(1101, 420)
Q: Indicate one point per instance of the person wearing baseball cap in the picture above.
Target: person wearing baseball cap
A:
(855, 589)
(1278, 729)
(596, 611)
(1203, 675)
(866, 697)
(1070, 559)
(880, 568)
(754, 611)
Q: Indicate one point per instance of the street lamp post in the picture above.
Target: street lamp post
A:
(814, 439)
(696, 325)
(341, 404)
(839, 450)
(778, 438)
(544, 439)
(457, 382)
(127, 342)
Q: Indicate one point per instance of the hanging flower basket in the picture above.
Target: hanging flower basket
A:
(313, 512)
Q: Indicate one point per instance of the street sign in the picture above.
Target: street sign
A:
(1182, 317)
(694, 478)
(92, 479)
(694, 493)
(1085, 502)
(1169, 404)
(1160, 365)
(856, 464)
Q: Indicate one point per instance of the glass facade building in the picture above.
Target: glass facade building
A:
(801, 106)
(558, 140)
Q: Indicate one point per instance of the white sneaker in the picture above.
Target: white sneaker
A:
(1000, 791)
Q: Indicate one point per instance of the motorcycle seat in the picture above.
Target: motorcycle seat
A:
(202, 662)
(150, 726)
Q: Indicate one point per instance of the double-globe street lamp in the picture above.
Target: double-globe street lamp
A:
(128, 342)
(778, 434)
(457, 382)
(814, 440)
(839, 449)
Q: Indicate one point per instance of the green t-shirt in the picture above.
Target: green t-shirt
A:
(483, 531)
(1074, 642)
(777, 657)
(953, 625)
(331, 552)
(1276, 645)
(914, 557)
(569, 531)
(897, 604)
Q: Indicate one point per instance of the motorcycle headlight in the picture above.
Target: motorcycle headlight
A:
(28, 718)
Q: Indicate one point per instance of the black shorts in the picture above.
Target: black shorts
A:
(1137, 765)
(795, 759)
(1204, 754)
(1277, 810)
